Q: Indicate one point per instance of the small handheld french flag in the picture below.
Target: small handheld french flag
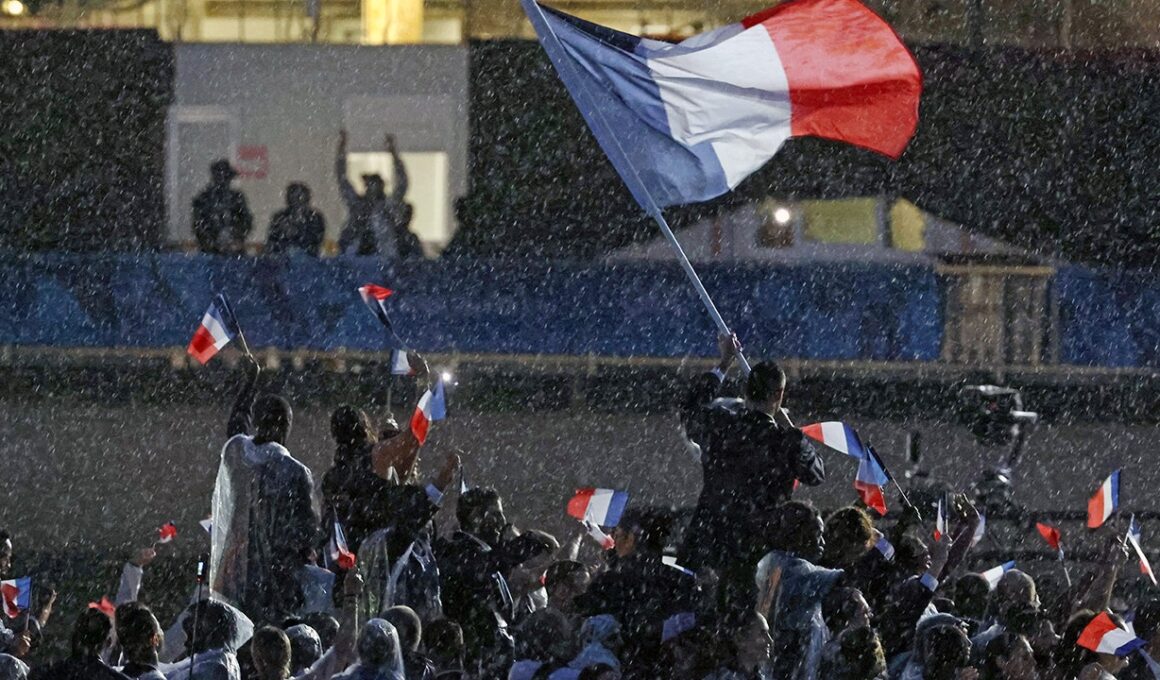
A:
(375, 298)
(17, 595)
(217, 328)
(400, 365)
(167, 532)
(606, 542)
(940, 519)
(1134, 534)
(871, 476)
(1105, 501)
(1103, 636)
(994, 574)
(1051, 535)
(602, 507)
(340, 555)
(432, 406)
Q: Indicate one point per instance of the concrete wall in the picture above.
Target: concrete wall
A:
(292, 100)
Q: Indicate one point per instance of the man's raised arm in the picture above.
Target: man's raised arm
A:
(239, 422)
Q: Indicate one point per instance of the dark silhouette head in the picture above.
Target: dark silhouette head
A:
(270, 650)
(971, 594)
(765, 386)
(480, 513)
(305, 647)
(799, 531)
(444, 644)
(272, 418)
(91, 633)
(138, 632)
(221, 172)
(848, 534)
(376, 188)
(351, 427)
(408, 625)
(643, 530)
(216, 626)
(946, 649)
(297, 195)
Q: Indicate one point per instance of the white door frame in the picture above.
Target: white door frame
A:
(191, 114)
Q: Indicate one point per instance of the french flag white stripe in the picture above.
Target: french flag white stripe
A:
(599, 503)
(834, 434)
(216, 329)
(733, 95)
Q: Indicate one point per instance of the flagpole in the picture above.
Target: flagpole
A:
(891, 477)
(621, 161)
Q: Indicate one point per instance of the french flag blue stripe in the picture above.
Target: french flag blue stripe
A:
(615, 508)
(615, 92)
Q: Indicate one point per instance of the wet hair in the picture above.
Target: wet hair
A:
(795, 530)
(305, 647)
(947, 649)
(136, 628)
(473, 503)
(857, 655)
(216, 625)
(91, 633)
(650, 526)
(271, 650)
(910, 554)
(272, 418)
(563, 570)
(838, 609)
(971, 594)
(531, 544)
(765, 381)
(351, 427)
(407, 623)
(1003, 598)
(325, 625)
(443, 641)
(848, 527)
(1000, 647)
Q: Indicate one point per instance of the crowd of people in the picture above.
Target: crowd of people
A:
(760, 586)
(378, 222)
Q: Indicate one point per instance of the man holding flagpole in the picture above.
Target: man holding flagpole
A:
(751, 455)
(265, 522)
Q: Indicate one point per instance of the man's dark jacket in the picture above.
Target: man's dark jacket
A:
(750, 464)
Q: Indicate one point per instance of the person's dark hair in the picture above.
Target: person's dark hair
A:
(216, 626)
(971, 594)
(136, 628)
(325, 625)
(271, 651)
(650, 526)
(1147, 618)
(297, 190)
(765, 381)
(91, 633)
(837, 608)
(858, 656)
(272, 418)
(443, 642)
(305, 647)
(910, 554)
(1070, 658)
(847, 529)
(407, 623)
(473, 503)
(563, 570)
(351, 427)
(544, 635)
(796, 528)
(531, 544)
(947, 650)
(1000, 647)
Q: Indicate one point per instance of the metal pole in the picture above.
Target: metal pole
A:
(696, 281)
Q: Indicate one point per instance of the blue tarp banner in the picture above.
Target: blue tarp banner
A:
(814, 311)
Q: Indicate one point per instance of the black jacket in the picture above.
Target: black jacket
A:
(473, 581)
(77, 668)
(294, 231)
(220, 209)
(750, 464)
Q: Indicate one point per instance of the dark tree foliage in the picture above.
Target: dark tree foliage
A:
(1048, 150)
(82, 139)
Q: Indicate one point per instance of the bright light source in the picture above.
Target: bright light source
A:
(446, 375)
(782, 215)
(13, 7)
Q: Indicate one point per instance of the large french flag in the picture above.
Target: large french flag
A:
(17, 595)
(1105, 501)
(871, 476)
(217, 328)
(1103, 636)
(375, 298)
(432, 406)
(686, 122)
(602, 507)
